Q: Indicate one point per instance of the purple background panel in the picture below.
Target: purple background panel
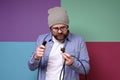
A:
(24, 20)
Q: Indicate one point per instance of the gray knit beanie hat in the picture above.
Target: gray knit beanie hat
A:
(57, 15)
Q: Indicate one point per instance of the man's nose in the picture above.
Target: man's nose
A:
(59, 31)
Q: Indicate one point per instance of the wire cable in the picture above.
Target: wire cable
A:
(63, 70)
(85, 76)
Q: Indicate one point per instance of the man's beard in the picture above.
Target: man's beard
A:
(61, 37)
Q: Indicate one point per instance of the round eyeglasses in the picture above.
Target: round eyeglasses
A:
(56, 29)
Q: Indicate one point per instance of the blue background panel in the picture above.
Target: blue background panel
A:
(13, 61)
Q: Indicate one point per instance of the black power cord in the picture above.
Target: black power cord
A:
(85, 75)
(44, 43)
(63, 68)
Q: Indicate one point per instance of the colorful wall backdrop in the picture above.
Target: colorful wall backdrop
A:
(21, 21)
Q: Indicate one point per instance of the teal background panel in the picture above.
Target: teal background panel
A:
(13, 61)
(95, 20)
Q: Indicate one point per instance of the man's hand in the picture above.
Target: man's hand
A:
(68, 58)
(39, 52)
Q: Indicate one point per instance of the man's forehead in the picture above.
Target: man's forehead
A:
(59, 25)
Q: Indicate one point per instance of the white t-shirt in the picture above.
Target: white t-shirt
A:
(55, 62)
